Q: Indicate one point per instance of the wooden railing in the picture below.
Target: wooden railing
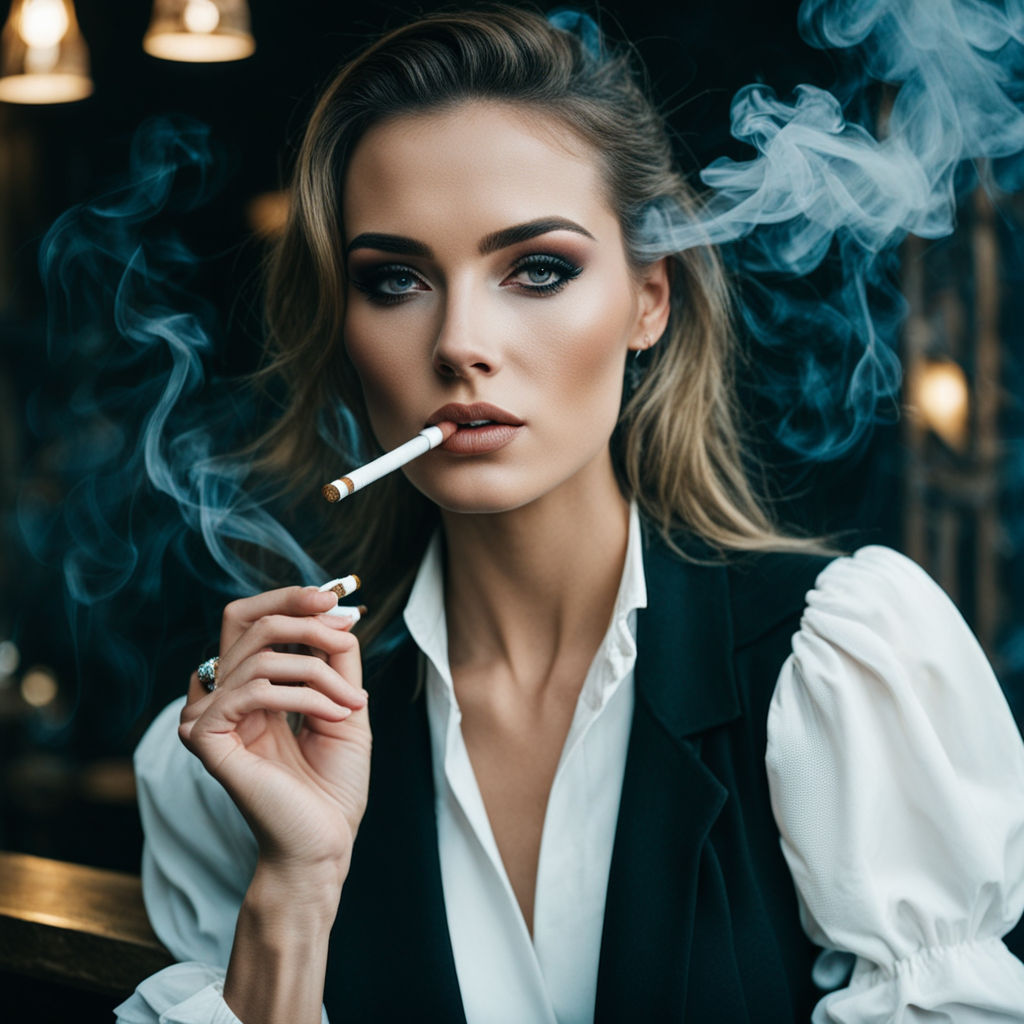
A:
(75, 926)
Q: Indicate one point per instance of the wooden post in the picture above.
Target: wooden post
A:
(987, 369)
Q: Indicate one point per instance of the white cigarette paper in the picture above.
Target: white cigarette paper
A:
(357, 479)
(343, 586)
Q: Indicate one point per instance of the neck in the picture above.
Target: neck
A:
(535, 586)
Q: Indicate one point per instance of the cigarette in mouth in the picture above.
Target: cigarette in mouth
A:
(343, 586)
(357, 479)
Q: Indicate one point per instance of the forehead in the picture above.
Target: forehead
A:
(476, 165)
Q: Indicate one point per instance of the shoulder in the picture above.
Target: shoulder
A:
(757, 591)
(881, 608)
(768, 591)
(884, 665)
(875, 590)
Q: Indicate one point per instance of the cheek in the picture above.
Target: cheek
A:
(590, 343)
(384, 370)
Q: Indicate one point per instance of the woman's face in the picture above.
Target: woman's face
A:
(488, 282)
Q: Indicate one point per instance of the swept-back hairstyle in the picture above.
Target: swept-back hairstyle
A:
(677, 448)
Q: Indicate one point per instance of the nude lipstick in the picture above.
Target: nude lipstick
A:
(481, 427)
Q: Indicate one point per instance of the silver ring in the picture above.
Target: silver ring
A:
(207, 673)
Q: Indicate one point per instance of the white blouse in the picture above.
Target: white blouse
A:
(897, 780)
(504, 976)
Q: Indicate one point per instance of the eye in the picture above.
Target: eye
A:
(387, 284)
(542, 274)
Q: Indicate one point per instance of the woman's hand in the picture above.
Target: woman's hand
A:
(302, 794)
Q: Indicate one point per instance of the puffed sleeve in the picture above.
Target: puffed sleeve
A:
(897, 782)
(198, 859)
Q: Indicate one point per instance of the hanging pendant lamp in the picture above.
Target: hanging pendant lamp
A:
(43, 57)
(199, 31)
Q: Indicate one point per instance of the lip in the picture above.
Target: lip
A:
(476, 440)
(461, 414)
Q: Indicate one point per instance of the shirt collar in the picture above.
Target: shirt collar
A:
(425, 615)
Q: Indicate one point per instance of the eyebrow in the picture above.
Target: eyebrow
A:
(489, 243)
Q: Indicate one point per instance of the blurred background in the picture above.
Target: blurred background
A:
(78, 684)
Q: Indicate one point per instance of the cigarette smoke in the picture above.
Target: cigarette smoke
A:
(141, 447)
(163, 335)
(810, 224)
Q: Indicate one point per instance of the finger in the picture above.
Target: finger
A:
(349, 666)
(196, 691)
(294, 669)
(296, 601)
(280, 630)
(348, 662)
(222, 717)
(343, 616)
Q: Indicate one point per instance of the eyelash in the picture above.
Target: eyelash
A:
(369, 282)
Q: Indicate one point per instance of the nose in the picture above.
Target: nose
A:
(464, 346)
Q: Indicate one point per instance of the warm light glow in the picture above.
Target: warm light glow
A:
(199, 31)
(44, 57)
(267, 213)
(44, 88)
(43, 23)
(201, 16)
(39, 686)
(198, 49)
(941, 397)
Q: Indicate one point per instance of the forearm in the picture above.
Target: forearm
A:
(279, 955)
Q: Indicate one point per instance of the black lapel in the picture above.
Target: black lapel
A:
(670, 799)
(391, 957)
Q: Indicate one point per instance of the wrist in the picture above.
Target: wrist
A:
(279, 955)
(286, 891)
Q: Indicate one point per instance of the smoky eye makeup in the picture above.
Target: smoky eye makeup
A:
(542, 273)
(386, 283)
(534, 274)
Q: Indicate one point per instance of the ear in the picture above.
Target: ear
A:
(655, 304)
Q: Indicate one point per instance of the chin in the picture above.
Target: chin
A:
(480, 502)
(474, 494)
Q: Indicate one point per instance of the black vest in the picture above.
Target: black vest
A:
(701, 919)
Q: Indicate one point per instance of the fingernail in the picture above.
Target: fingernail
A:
(349, 613)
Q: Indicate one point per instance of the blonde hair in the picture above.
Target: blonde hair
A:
(677, 449)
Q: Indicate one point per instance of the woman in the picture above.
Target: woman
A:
(566, 814)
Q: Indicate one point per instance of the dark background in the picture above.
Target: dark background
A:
(66, 789)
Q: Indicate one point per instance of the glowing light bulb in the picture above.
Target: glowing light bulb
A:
(43, 23)
(201, 16)
(49, 62)
(39, 686)
(199, 31)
